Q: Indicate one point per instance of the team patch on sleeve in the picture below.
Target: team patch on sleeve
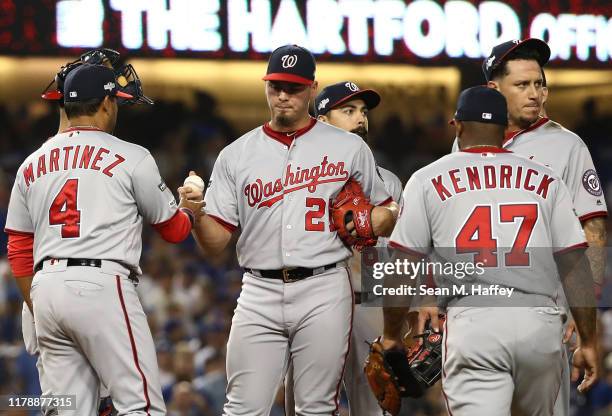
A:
(591, 183)
(162, 186)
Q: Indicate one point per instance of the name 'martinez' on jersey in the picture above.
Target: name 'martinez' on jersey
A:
(70, 158)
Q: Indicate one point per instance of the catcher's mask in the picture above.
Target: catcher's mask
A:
(127, 78)
(102, 56)
(129, 82)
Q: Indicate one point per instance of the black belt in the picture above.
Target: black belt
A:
(290, 274)
(73, 262)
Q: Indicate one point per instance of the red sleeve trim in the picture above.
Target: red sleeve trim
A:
(407, 250)
(571, 248)
(593, 215)
(15, 232)
(385, 202)
(175, 229)
(21, 254)
(229, 227)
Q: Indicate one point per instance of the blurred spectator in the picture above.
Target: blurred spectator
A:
(186, 402)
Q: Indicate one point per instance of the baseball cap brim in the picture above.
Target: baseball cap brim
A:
(538, 45)
(124, 95)
(370, 97)
(55, 95)
(280, 76)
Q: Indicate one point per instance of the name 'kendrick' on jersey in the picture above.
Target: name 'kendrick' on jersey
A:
(72, 157)
(476, 178)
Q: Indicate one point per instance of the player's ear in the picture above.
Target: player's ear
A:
(493, 84)
(323, 118)
(313, 90)
(458, 130)
(107, 104)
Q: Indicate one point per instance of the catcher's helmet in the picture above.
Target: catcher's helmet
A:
(126, 75)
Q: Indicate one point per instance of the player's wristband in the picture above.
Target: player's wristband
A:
(189, 213)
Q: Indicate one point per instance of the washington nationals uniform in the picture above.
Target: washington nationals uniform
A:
(276, 187)
(562, 150)
(84, 195)
(482, 202)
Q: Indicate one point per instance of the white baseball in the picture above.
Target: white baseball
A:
(195, 183)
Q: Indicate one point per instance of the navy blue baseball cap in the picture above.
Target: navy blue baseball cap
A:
(91, 81)
(482, 104)
(291, 63)
(98, 56)
(334, 95)
(500, 52)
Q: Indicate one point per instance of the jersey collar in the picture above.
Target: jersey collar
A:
(287, 138)
(78, 128)
(486, 149)
(514, 134)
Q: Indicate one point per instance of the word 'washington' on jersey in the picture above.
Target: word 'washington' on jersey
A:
(303, 177)
(72, 157)
(476, 178)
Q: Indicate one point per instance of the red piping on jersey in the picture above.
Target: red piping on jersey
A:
(175, 229)
(593, 215)
(335, 412)
(510, 136)
(406, 250)
(77, 128)
(485, 149)
(133, 344)
(571, 248)
(287, 138)
(443, 363)
(229, 227)
(20, 254)
(386, 201)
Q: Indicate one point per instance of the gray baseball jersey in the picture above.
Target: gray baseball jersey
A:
(84, 194)
(278, 191)
(393, 184)
(492, 207)
(550, 143)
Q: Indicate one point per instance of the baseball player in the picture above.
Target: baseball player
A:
(515, 68)
(275, 183)
(102, 56)
(514, 217)
(346, 106)
(74, 222)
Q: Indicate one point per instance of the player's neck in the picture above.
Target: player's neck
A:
(480, 142)
(63, 123)
(298, 125)
(83, 122)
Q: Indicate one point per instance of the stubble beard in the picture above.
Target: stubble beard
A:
(361, 132)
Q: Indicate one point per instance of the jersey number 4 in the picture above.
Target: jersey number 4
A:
(64, 212)
(476, 236)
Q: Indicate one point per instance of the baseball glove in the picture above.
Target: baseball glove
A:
(349, 205)
(393, 374)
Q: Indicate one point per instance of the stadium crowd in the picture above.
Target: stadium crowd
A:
(189, 300)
